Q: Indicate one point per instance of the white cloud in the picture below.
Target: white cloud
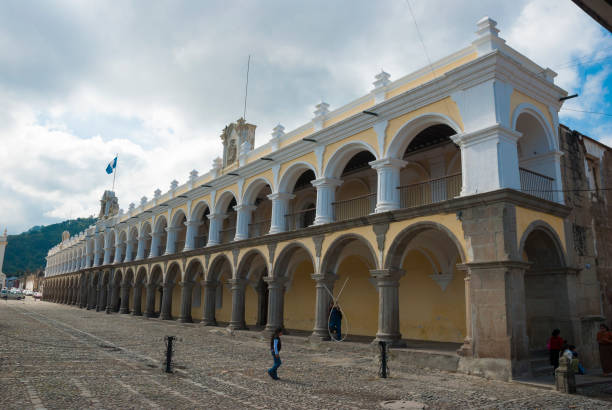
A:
(157, 82)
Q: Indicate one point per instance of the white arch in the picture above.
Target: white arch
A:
(250, 193)
(199, 209)
(404, 136)
(344, 153)
(158, 220)
(176, 219)
(291, 175)
(224, 200)
(535, 112)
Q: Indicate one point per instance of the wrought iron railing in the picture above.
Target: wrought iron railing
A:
(536, 184)
(259, 228)
(354, 207)
(300, 219)
(200, 241)
(430, 192)
(227, 235)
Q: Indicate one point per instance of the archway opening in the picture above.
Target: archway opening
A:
(173, 277)
(546, 289)
(432, 289)
(262, 215)
(300, 292)
(537, 160)
(115, 293)
(160, 236)
(179, 231)
(220, 272)
(350, 260)
(356, 196)
(195, 275)
(201, 215)
(302, 208)
(433, 173)
(147, 237)
(228, 226)
(251, 270)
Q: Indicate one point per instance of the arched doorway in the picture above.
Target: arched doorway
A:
(546, 287)
(432, 288)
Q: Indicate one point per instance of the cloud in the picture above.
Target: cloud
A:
(157, 82)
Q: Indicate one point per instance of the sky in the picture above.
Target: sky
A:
(156, 81)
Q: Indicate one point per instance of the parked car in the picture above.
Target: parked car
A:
(12, 294)
(37, 295)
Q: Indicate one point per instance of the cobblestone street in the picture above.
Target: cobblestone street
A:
(56, 356)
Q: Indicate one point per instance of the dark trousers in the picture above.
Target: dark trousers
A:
(273, 369)
(554, 358)
(336, 327)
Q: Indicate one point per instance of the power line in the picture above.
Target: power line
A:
(588, 112)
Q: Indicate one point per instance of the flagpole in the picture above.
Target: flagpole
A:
(115, 171)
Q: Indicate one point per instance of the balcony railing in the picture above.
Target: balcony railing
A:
(200, 241)
(430, 192)
(259, 228)
(354, 207)
(227, 235)
(536, 184)
(300, 219)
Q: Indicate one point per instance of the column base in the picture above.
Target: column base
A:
(185, 320)
(238, 326)
(207, 322)
(467, 349)
(149, 314)
(394, 340)
(124, 311)
(136, 313)
(320, 335)
(164, 316)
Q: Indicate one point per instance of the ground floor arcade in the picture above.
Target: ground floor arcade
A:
(493, 278)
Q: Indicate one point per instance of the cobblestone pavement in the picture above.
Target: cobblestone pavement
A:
(56, 356)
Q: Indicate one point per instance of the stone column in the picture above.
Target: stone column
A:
(150, 303)
(243, 220)
(326, 193)
(137, 302)
(387, 194)
(192, 231)
(129, 250)
(387, 283)
(238, 290)
(467, 349)
(276, 294)
(171, 241)
(210, 300)
(75, 295)
(125, 299)
(166, 307)
(140, 253)
(101, 305)
(154, 252)
(216, 222)
(186, 295)
(112, 293)
(118, 253)
(497, 310)
(280, 208)
(324, 285)
(91, 297)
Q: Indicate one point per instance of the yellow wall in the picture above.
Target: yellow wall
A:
(426, 312)
(197, 311)
(296, 137)
(524, 217)
(445, 106)
(176, 301)
(250, 305)
(367, 136)
(359, 300)
(300, 299)
(225, 313)
(429, 76)
(349, 113)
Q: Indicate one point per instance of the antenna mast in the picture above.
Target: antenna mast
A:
(246, 88)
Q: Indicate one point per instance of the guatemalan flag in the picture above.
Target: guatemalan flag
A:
(111, 166)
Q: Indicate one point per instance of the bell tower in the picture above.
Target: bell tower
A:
(238, 139)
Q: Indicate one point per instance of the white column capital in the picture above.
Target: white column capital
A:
(193, 223)
(173, 229)
(244, 207)
(494, 132)
(326, 182)
(281, 196)
(216, 217)
(388, 163)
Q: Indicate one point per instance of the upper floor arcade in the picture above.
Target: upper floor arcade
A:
(480, 120)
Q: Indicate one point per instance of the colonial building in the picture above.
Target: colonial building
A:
(439, 196)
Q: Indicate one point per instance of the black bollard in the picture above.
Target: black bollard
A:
(383, 359)
(169, 340)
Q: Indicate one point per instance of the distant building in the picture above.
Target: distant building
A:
(34, 281)
(452, 198)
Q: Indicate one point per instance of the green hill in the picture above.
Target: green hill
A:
(26, 252)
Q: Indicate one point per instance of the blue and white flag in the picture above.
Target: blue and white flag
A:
(111, 166)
